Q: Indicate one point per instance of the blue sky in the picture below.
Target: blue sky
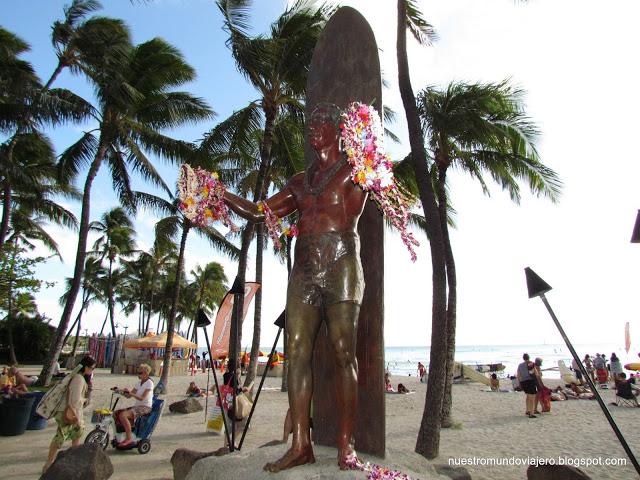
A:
(575, 59)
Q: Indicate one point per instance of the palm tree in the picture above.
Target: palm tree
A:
(172, 226)
(116, 241)
(479, 128)
(209, 286)
(26, 157)
(428, 441)
(277, 67)
(134, 104)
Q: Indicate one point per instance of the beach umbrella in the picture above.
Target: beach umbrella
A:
(160, 341)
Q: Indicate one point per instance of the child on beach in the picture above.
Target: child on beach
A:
(193, 390)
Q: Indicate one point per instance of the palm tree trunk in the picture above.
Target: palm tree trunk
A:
(75, 341)
(110, 299)
(428, 441)
(6, 211)
(12, 349)
(53, 77)
(81, 253)
(164, 379)
(257, 305)
(451, 301)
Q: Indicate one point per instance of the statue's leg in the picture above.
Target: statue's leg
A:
(303, 321)
(342, 320)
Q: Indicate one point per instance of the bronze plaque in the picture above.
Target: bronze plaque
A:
(345, 68)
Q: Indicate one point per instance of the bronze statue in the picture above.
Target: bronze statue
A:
(326, 279)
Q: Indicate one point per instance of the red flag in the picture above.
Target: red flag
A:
(222, 327)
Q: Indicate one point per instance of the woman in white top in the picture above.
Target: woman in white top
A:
(143, 394)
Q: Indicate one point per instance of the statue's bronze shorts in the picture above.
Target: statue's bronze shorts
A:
(327, 269)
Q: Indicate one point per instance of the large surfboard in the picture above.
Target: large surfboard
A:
(346, 68)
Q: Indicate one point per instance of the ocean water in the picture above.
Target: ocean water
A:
(403, 361)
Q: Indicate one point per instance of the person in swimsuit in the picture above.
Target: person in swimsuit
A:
(326, 280)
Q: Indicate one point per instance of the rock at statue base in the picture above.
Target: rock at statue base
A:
(188, 405)
(183, 459)
(85, 462)
(555, 472)
(248, 464)
(454, 473)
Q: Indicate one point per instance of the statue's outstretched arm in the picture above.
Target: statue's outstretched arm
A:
(281, 204)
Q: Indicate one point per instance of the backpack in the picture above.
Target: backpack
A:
(53, 398)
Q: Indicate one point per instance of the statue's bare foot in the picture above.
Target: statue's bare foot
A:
(347, 457)
(292, 458)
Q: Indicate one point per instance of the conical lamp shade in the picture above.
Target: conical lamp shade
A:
(203, 319)
(535, 285)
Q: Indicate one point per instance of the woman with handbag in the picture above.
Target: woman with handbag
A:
(69, 416)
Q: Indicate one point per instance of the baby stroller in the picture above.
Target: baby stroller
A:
(142, 429)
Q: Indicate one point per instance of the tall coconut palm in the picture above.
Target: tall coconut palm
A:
(92, 292)
(479, 128)
(277, 67)
(174, 225)
(116, 241)
(428, 441)
(135, 102)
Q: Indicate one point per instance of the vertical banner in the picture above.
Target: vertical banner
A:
(627, 337)
(222, 326)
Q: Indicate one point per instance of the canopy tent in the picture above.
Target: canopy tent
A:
(134, 343)
(160, 341)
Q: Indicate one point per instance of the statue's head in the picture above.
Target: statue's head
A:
(324, 124)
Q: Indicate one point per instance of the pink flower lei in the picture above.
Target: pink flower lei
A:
(274, 225)
(373, 471)
(363, 143)
(201, 196)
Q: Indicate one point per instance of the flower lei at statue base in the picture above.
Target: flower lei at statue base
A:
(201, 196)
(362, 141)
(374, 471)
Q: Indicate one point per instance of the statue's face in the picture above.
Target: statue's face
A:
(322, 129)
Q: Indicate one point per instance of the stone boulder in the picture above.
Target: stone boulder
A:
(455, 473)
(188, 405)
(85, 462)
(555, 472)
(183, 459)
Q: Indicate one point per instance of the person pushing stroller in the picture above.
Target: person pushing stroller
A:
(143, 394)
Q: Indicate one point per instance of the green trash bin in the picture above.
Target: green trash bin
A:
(15, 415)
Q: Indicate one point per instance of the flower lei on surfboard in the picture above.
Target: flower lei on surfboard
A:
(372, 170)
(373, 471)
(201, 196)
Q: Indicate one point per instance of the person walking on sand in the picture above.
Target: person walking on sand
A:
(527, 381)
(588, 365)
(422, 373)
(69, 417)
(615, 367)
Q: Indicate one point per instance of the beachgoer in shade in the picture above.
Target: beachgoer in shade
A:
(402, 388)
(525, 374)
(143, 394)
(69, 417)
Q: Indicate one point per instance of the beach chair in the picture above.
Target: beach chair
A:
(625, 396)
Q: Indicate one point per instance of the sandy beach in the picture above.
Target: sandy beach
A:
(491, 428)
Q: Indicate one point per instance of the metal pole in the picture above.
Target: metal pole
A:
(604, 408)
(206, 398)
(215, 379)
(233, 363)
(255, 400)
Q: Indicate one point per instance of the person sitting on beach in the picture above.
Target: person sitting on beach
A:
(387, 383)
(402, 388)
(193, 390)
(143, 394)
(582, 393)
(8, 384)
(495, 383)
(21, 379)
(558, 395)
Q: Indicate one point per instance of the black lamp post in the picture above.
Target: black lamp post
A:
(537, 287)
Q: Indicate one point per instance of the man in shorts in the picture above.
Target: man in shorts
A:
(326, 280)
(143, 394)
(528, 385)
